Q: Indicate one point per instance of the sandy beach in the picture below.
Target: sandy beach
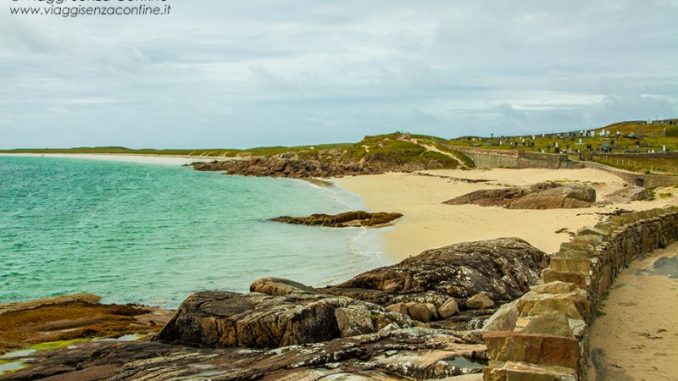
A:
(428, 223)
(129, 158)
(637, 337)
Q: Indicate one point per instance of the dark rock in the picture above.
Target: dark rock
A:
(225, 319)
(342, 220)
(399, 354)
(503, 269)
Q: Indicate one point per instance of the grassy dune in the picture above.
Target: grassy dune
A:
(624, 147)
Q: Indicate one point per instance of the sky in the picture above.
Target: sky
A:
(222, 73)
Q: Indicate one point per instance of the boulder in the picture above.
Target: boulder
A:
(489, 197)
(547, 195)
(479, 302)
(503, 269)
(424, 312)
(568, 196)
(400, 308)
(354, 321)
(226, 319)
(626, 195)
(504, 319)
(448, 309)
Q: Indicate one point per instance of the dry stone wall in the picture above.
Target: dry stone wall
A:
(497, 158)
(544, 335)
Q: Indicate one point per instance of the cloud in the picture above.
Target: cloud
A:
(234, 73)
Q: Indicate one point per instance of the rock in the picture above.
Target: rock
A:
(354, 321)
(279, 287)
(449, 308)
(395, 354)
(479, 302)
(400, 308)
(626, 195)
(342, 220)
(532, 349)
(489, 197)
(424, 312)
(47, 302)
(226, 319)
(555, 296)
(503, 269)
(331, 163)
(65, 318)
(548, 195)
(504, 319)
(568, 196)
(550, 323)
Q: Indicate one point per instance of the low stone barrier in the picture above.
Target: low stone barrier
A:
(508, 158)
(544, 335)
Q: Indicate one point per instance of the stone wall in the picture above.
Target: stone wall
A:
(544, 335)
(639, 179)
(496, 158)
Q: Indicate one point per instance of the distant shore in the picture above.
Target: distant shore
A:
(428, 223)
(130, 158)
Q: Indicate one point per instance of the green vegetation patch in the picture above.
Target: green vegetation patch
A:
(57, 344)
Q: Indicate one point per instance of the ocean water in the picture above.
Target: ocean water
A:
(152, 234)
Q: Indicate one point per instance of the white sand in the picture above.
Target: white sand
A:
(129, 158)
(428, 223)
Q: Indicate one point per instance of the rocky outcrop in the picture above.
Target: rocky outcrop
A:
(255, 320)
(502, 269)
(285, 165)
(328, 164)
(396, 354)
(548, 195)
(569, 196)
(342, 220)
(626, 195)
(73, 317)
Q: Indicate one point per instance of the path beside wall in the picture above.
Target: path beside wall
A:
(544, 335)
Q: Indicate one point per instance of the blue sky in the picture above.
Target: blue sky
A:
(220, 73)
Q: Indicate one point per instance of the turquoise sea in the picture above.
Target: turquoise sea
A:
(152, 234)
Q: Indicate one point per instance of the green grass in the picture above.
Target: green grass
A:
(640, 164)
(400, 148)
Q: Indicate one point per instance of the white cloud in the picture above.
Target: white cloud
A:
(302, 71)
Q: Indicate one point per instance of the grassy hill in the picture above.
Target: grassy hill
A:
(633, 145)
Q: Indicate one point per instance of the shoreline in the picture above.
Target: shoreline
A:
(428, 223)
(120, 157)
